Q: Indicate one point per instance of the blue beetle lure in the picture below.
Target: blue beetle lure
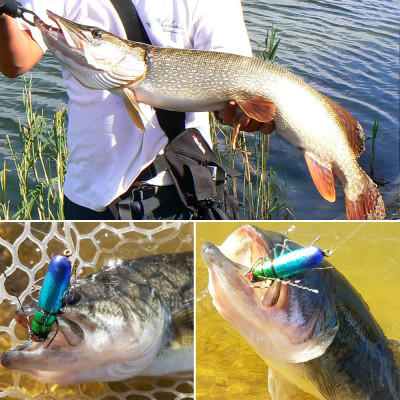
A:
(288, 264)
(55, 285)
(53, 296)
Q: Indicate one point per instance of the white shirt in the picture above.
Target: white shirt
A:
(106, 150)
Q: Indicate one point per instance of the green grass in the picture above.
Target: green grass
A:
(40, 167)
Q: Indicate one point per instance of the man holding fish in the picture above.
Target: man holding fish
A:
(110, 159)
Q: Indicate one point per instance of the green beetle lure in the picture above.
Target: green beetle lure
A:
(53, 296)
(288, 264)
(55, 285)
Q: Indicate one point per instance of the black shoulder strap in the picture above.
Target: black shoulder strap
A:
(172, 122)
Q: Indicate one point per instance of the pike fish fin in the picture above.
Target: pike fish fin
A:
(353, 129)
(322, 379)
(236, 130)
(369, 204)
(259, 109)
(134, 110)
(322, 178)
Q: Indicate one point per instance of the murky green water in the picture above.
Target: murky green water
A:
(227, 366)
(348, 50)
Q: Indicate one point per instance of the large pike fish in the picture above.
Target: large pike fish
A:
(193, 80)
(132, 318)
(314, 331)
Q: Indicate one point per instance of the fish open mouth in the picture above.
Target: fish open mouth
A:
(61, 35)
(283, 320)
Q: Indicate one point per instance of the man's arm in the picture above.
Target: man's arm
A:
(18, 51)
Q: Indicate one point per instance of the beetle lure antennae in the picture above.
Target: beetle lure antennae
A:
(17, 297)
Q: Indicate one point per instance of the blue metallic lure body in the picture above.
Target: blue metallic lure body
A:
(288, 264)
(55, 284)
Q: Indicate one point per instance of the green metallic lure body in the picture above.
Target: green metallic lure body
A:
(55, 284)
(288, 264)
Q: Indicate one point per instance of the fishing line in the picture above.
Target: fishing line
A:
(16, 295)
(329, 252)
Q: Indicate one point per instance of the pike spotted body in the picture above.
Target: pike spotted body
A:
(329, 137)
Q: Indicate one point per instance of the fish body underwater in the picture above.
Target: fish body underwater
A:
(329, 137)
(132, 318)
(314, 331)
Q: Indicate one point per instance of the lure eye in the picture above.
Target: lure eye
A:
(96, 34)
(71, 298)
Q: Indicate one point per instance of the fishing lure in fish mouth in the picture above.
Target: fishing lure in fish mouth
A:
(55, 285)
(288, 264)
(53, 296)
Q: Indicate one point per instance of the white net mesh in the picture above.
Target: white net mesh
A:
(25, 252)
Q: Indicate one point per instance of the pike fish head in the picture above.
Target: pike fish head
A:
(112, 328)
(96, 58)
(282, 322)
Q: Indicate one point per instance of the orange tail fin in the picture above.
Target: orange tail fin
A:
(369, 205)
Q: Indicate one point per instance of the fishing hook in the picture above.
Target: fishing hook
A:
(25, 10)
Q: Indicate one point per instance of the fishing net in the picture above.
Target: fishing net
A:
(25, 252)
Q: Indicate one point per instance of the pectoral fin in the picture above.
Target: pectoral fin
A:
(280, 388)
(259, 109)
(134, 110)
(183, 326)
(322, 177)
(322, 379)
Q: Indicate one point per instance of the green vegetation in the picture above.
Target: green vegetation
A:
(372, 156)
(40, 167)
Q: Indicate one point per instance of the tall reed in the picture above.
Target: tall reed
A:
(40, 167)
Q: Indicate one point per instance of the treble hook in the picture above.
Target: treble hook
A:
(25, 10)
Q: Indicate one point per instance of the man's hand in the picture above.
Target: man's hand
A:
(233, 115)
(10, 7)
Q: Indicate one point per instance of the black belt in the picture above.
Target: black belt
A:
(160, 165)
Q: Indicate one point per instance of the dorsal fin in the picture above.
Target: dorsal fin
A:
(354, 131)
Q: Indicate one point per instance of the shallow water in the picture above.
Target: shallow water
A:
(25, 250)
(348, 50)
(368, 256)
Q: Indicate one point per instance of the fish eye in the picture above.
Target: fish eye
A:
(96, 34)
(71, 298)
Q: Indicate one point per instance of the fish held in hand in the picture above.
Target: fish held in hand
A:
(314, 330)
(329, 137)
(131, 318)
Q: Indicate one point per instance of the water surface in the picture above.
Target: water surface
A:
(227, 366)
